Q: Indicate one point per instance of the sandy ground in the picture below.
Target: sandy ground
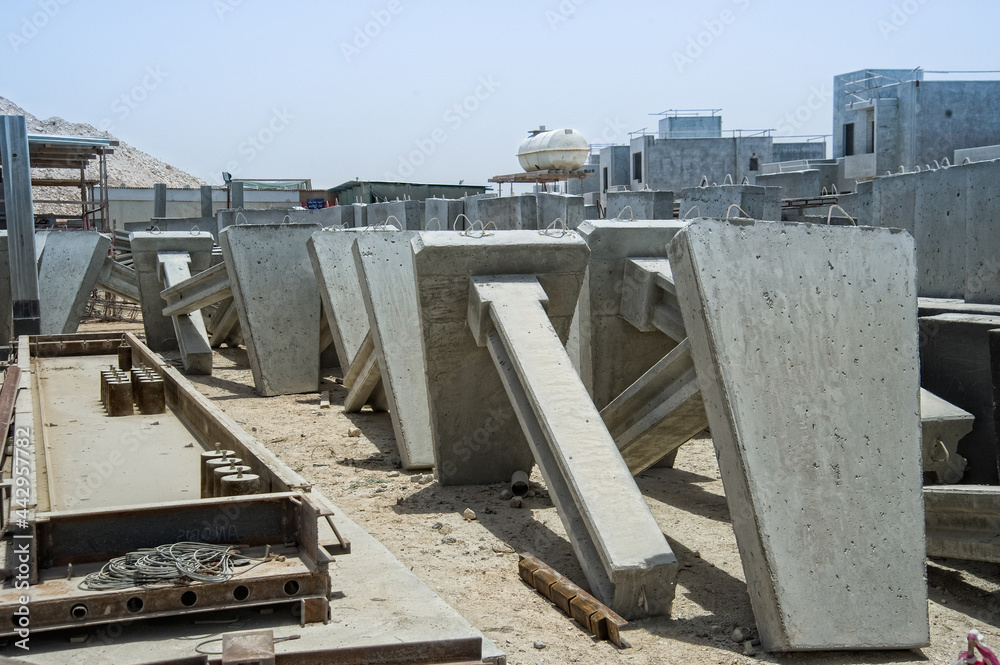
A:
(472, 564)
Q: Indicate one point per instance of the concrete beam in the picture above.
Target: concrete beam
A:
(385, 269)
(193, 294)
(942, 426)
(67, 274)
(119, 279)
(146, 247)
(275, 290)
(189, 328)
(802, 337)
(963, 522)
(658, 413)
(626, 559)
(477, 438)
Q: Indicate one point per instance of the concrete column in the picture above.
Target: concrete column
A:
(206, 201)
(159, 200)
(20, 224)
(236, 195)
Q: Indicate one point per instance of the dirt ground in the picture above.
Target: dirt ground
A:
(473, 566)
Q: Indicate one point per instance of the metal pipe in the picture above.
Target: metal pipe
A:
(519, 484)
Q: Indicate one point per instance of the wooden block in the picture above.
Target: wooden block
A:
(581, 609)
(562, 593)
(526, 568)
(544, 578)
(324, 399)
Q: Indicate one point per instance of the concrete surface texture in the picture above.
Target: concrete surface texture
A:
(647, 204)
(626, 559)
(477, 438)
(757, 202)
(231, 216)
(446, 211)
(823, 489)
(276, 292)
(385, 270)
(552, 206)
(613, 353)
(377, 214)
(955, 366)
(471, 204)
(337, 277)
(67, 274)
(793, 184)
(146, 246)
(409, 213)
(510, 212)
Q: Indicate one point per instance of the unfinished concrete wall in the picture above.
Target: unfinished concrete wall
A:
(471, 204)
(510, 212)
(673, 164)
(615, 168)
(552, 206)
(793, 151)
(446, 211)
(756, 201)
(409, 213)
(793, 184)
(643, 205)
(823, 489)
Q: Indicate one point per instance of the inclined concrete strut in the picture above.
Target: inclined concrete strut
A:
(119, 279)
(197, 292)
(623, 553)
(189, 327)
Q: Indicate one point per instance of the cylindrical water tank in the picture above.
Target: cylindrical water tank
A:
(558, 149)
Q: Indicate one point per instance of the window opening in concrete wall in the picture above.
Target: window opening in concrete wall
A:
(605, 176)
(753, 164)
(637, 167)
(849, 139)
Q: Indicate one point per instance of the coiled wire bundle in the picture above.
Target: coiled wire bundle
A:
(177, 563)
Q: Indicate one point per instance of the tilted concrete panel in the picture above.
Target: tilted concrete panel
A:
(477, 438)
(67, 274)
(804, 338)
(276, 292)
(385, 271)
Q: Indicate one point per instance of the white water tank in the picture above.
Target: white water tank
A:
(558, 149)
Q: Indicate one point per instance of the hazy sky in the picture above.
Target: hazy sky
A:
(445, 91)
